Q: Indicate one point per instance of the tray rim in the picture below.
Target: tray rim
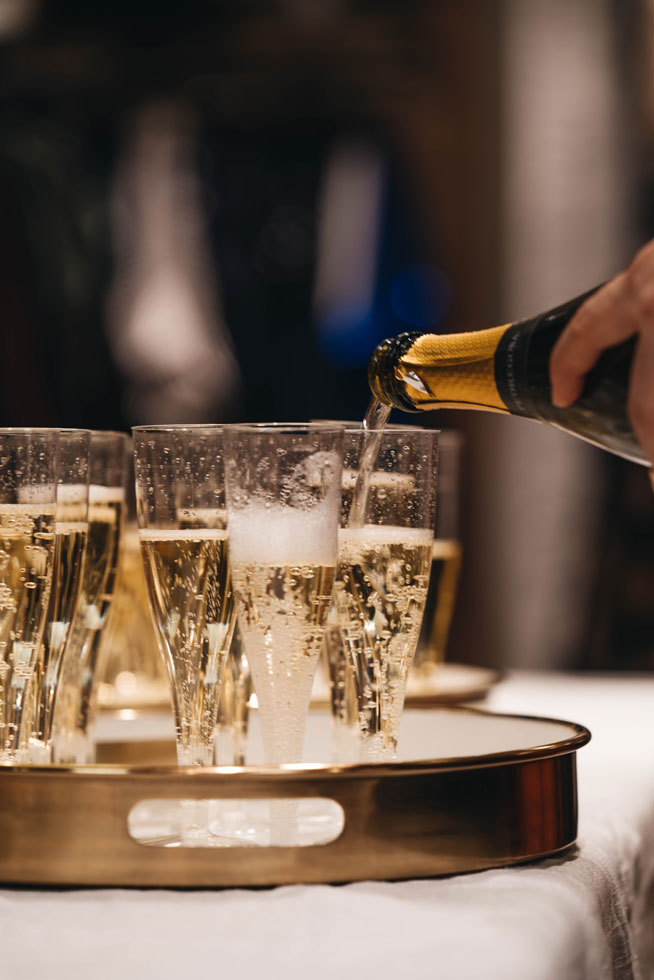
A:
(580, 736)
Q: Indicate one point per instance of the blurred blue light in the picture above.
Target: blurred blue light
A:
(420, 295)
(347, 335)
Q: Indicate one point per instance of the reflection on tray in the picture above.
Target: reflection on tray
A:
(131, 690)
(449, 684)
(433, 684)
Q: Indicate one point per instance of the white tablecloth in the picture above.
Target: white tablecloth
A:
(587, 915)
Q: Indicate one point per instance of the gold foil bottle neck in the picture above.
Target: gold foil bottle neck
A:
(453, 369)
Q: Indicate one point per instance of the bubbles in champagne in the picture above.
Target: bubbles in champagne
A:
(26, 562)
(383, 573)
(70, 552)
(278, 535)
(283, 563)
(189, 585)
(73, 704)
(282, 615)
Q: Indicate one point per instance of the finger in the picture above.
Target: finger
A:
(640, 403)
(606, 319)
(651, 478)
(641, 270)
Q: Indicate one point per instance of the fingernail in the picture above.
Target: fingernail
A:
(558, 397)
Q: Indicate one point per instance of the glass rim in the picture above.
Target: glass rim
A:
(178, 427)
(29, 430)
(351, 424)
(395, 429)
(284, 426)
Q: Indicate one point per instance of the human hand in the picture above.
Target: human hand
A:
(624, 307)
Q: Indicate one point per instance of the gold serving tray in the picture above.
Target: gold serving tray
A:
(502, 792)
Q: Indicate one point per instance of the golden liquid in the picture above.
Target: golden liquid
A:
(132, 669)
(441, 597)
(70, 551)
(282, 613)
(189, 585)
(380, 594)
(74, 698)
(27, 548)
(339, 671)
(375, 419)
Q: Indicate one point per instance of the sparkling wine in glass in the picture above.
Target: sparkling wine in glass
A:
(180, 501)
(383, 573)
(28, 487)
(72, 742)
(283, 498)
(183, 534)
(71, 532)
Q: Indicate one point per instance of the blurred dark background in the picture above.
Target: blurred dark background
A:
(213, 211)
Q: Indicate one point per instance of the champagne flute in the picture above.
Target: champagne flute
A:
(183, 534)
(71, 742)
(346, 735)
(383, 574)
(446, 561)
(71, 531)
(283, 496)
(28, 487)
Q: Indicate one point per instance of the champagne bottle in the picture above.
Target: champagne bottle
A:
(506, 369)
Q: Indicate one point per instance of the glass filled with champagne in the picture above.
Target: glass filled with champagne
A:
(339, 668)
(28, 489)
(446, 560)
(181, 514)
(71, 531)
(283, 487)
(71, 740)
(384, 559)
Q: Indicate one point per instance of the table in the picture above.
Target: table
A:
(588, 914)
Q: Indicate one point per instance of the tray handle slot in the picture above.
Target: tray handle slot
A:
(236, 822)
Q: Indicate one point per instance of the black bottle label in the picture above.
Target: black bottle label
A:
(522, 376)
(522, 360)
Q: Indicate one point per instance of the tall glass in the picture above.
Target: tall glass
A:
(72, 742)
(346, 736)
(28, 487)
(446, 560)
(71, 531)
(383, 574)
(182, 528)
(283, 496)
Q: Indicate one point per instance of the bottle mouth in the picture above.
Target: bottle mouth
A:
(381, 372)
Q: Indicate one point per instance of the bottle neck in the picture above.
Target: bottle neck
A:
(418, 372)
(502, 369)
